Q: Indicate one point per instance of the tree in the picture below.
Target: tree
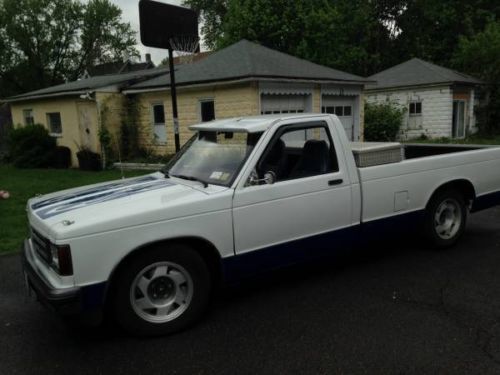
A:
(45, 42)
(348, 35)
(479, 55)
(212, 14)
(382, 122)
(431, 29)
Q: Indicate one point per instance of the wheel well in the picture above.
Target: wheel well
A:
(206, 250)
(465, 187)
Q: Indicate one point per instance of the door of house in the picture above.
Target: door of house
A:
(86, 126)
(458, 121)
(343, 107)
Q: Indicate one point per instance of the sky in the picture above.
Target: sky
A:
(130, 9)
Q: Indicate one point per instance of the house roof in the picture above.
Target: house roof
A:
(246, 59)
(117, 67)
(417, 72)
(83, 86)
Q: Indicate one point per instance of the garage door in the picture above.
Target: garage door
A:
(270, 104)
(343, 107)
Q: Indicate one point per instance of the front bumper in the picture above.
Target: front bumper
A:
(65, 301)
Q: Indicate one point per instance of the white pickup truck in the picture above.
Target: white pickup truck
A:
(244, 195)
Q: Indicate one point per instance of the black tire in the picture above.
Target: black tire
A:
(190, 261)
(441, 240)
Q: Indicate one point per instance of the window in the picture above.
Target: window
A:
(283, 103)
(28, 117)
(158, 119)
(213, 157)
(54, 123)
(158, 114)
(340, 110)
(299, 151)
(207, 110)
(415, 108)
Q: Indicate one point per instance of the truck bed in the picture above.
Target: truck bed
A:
(405, 187)
(369, 154)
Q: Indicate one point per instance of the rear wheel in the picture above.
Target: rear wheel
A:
(161, 291)
(445, 218)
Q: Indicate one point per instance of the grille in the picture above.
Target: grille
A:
(41, 245)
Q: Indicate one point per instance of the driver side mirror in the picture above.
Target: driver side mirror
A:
(269, 179)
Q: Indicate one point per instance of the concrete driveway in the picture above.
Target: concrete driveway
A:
(400, 310)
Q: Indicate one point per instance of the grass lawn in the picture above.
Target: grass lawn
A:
(26, 183)
(473, 139)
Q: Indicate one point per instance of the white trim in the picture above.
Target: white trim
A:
(42, 96)
(285, 88)
(243, 80)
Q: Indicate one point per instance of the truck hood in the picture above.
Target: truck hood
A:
(116, 204)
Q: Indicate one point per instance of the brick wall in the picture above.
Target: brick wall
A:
(437, 106)
(229, 101)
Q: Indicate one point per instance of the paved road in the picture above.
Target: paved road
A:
(403, 310)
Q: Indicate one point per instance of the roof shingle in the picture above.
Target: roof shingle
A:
(417, 72)
(246, 59)
(90, 84)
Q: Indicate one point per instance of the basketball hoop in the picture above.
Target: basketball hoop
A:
(185, 47)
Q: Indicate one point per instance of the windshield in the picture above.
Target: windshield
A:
(213, 157)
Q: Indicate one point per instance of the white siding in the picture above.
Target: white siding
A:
(437, 108)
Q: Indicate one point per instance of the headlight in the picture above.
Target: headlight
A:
(61, 259)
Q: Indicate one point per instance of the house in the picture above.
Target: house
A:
(241, 80)
(74, 112)
(439, 102)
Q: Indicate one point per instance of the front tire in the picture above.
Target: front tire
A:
(161, 291)
(445, 219)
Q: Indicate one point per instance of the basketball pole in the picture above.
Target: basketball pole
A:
(173, 95)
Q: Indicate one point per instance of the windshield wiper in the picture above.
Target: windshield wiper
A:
(190, 178)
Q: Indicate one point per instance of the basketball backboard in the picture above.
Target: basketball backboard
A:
(161, 22)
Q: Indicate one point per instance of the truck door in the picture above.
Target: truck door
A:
(306, 212)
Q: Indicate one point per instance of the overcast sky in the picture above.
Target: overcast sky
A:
(130, 10)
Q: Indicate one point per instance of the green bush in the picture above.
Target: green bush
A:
(31, 146)
(382, 122)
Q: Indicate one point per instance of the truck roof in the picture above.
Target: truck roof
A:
(250, 124)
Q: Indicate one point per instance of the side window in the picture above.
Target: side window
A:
(207, 110)
(28, 117)
(54, 123)
(298, 152)
(158, 114)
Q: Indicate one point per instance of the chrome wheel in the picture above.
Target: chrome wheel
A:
(448, 219)
(161, 292)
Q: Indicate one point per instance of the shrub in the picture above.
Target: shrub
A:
(31, 146)
(382, 122)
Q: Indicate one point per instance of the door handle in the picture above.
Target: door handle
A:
(335, 182)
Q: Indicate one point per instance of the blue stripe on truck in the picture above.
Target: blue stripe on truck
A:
(323, 245)
(486, 201)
